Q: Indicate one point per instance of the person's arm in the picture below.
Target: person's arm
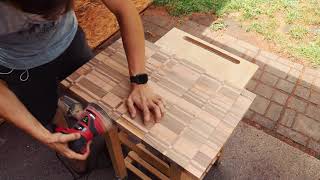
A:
(13, 111)
(133, 40)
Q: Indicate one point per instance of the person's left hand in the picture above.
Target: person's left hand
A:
(147, 101)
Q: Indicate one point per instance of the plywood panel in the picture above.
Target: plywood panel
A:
(214, 60)
(97, 21)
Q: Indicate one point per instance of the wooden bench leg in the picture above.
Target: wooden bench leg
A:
(175, 171)
(115, 151)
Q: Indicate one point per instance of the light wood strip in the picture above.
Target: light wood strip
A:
(115, 151)
(135, 170)
(130, 128)
(134, 156)
(145, 154)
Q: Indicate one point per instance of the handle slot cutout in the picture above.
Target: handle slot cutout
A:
(212, 50)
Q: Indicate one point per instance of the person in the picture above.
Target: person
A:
(41, 43)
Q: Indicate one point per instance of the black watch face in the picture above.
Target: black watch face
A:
(141, 79)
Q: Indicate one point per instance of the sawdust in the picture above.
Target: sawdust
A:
(97, 21)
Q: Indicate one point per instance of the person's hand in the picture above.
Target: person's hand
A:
(147, 101)
(59, 143)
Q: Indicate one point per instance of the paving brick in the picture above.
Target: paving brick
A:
(260, 105)
(223, 39)
(280, 97)
(277, 69)
(269, 79)
(314, 145)
(209, 34)
(251, 85)
(269, 55)
(258, 74)
(264, 90)
(298, 66)
(297, 104)
(307, 126)
(250, 55)
(285, 85)
(261, 61)
(264, 121)
(286, 62)
(311, 71)
(152, 32)
(191, 28)
(313, 112)
(306, 80)
(293, 75)
(295, 136)
(248, 46)
(288, 117)
(274, 111)
(315, 97)
(235, 49)
(302, 92)
(159, 20)
(249, 114)
(316, 85)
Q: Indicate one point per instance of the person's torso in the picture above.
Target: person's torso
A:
(28, 40)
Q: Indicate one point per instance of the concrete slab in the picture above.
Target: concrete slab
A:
(253, 154)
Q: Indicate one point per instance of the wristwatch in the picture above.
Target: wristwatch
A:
(139, 79)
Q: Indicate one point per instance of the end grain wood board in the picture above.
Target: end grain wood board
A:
(201, 110)
(97, 21)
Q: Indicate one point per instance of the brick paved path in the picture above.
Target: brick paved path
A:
(288, 94)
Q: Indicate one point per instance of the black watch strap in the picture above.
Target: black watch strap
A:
(139, 78)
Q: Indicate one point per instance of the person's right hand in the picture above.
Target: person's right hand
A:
(59, 143)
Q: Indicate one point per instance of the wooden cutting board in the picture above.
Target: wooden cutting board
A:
(202, 106)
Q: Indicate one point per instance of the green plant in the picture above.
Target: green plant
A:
(298, 32)
(292, 16)
(218, 26)
(265, 28)
(310, 51)
(184, 7)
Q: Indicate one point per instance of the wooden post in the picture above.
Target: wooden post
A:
(115, 151)
(175, 171)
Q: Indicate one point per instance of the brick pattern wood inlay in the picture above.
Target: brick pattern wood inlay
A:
(201, 111)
